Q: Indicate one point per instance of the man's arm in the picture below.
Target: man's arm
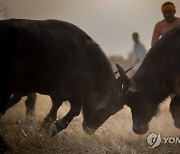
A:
(156, 35)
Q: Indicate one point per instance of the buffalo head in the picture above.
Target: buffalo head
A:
(142, 108)
(107, 104)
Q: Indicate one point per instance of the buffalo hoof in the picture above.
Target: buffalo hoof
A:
(56, 127)
(45, 125)
(53, 130)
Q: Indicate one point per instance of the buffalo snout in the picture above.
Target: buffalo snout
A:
(88, 129)
(177, 124)
(140, 129)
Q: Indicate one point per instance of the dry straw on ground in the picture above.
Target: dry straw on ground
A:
(115, 136)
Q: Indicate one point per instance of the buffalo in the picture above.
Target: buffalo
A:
(58, 59)
(156, 79)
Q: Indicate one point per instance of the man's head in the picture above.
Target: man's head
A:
(168, 9)
(135, 37)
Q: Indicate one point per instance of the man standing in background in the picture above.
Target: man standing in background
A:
(138, 53)
(169, 22)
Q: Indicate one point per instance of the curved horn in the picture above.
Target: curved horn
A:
(129, 69)
(122, 73)
(125, 71)
(121, 84)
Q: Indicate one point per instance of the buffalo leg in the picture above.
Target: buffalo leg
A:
(175, 110)
(52, 115)
(4, 99)
(30, 104)
(61, 124)
(13, 100)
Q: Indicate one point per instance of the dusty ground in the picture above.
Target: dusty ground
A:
(115, 136)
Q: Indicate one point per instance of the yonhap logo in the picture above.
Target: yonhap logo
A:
(154, 140)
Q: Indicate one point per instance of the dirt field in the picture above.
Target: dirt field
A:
(115, 136)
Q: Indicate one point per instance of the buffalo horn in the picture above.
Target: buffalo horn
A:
(123, 77)
(125, 71)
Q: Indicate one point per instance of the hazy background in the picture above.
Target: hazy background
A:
(109, 22)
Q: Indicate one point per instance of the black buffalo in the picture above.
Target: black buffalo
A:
(58, 59)
(155, 80)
